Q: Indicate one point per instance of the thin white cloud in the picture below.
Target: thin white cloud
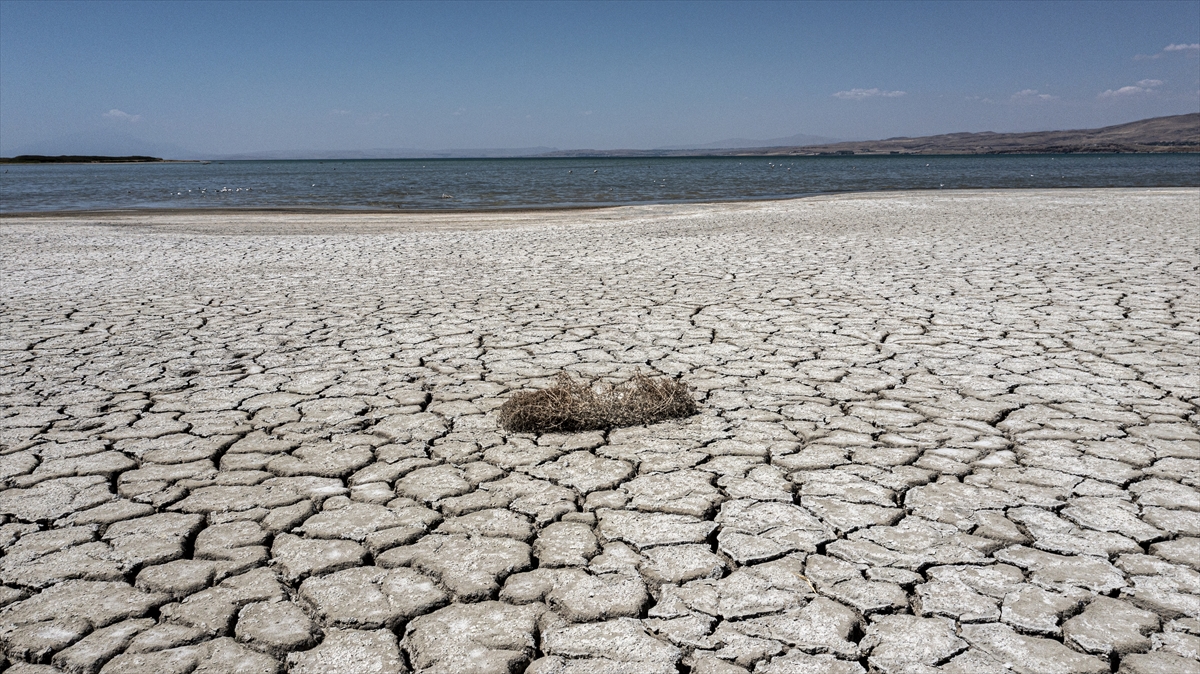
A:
(123, 116)
(1123, 91)
(860, 94)
(339, 111)
(1169, 48)
(1142, 87)
(1031, 96)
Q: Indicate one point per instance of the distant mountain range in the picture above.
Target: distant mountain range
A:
(1177, 133)
(415, 153)
(104, 142)
(737, 143)
(392, 153)
(123, 144)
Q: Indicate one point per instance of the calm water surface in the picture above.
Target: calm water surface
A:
(469, 184)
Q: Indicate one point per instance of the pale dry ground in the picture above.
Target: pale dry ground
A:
(951, 432)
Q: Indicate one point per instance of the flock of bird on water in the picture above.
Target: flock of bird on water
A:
(223, 189)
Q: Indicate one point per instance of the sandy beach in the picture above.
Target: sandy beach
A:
(938, 432)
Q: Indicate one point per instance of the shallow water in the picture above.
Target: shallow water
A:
(472, 184)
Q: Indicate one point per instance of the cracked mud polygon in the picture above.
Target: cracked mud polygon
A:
(937, 432)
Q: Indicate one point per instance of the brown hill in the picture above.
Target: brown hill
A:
(1178, 133)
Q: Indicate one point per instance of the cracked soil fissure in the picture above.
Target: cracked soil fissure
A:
(937, 432)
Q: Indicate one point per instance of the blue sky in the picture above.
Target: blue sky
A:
(224, 78)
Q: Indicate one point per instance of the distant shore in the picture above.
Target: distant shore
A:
(92, 159)
(1156, 135)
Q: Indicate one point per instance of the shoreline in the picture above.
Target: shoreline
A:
(619, 218)
(551, 210)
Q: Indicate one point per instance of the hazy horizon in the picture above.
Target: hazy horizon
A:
(224, 79)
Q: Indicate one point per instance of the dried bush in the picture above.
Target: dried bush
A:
(572, 405)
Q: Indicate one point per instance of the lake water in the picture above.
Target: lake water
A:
(474, 184)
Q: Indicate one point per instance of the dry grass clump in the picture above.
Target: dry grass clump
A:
(572, 405)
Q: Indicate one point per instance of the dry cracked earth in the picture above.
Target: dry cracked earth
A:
(939, 432)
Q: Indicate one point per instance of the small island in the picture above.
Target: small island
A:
(77, 159)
